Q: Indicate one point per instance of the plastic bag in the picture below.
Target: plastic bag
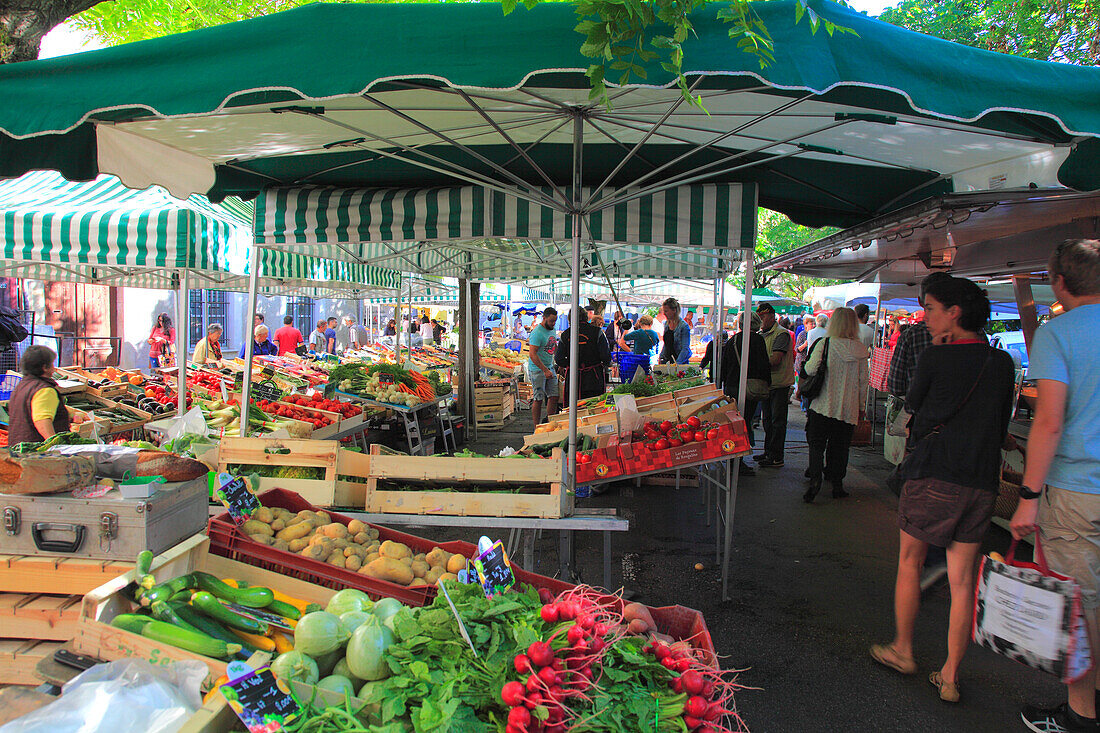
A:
(191, 422)
(126, 695)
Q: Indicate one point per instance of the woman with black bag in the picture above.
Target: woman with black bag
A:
(961, 400)
(833, 411)
(759, 377)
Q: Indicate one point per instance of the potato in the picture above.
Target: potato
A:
(438, 557)
(418, 556)
(355, 527)
(433, 574)
(420, 568)
(446, 576)
(335, 530)
(355, 551)
(385, 568)
(277, 524)
(281, 545)
(371, 557)
(394, 550)
(353, 563)
(325, 517)
(316, 552)
(263, 514)
(264, 539)
(305, 515)
(284, 514)
(316, 537)
(372, 532)
(341, 542)
(362, 538)
(294, 531)
(455, 564)
(254, 527)
(336, 558)
(374, 545)
(416, 582)
(299, 544)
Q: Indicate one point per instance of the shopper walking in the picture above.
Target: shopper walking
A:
(594, 356)
(1061, 487)
(641, 340)
(866, 333)
(330, 335)
(758, 385)
(961, 399)
(677, 335)
(287, 337)
(540, 349)
(818, 331)
(160, 340)
(781, 358)
(832, 415)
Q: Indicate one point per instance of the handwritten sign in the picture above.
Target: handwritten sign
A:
(494, 571)
(384, 378)
(267, 390)
(262, 702)
(237, 496)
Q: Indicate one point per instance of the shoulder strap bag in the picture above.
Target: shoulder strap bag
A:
(810, 385)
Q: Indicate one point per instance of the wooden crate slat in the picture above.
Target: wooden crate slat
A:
(40, 574)
(39, 616)
(19, 657)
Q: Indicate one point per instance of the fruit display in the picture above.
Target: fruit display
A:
(387, 383)
(295, 412)
(318, 401)
(666, 434)
(503, 359)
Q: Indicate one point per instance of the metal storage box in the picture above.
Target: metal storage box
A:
(108, 528)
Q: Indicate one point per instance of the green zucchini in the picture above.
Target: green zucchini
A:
(131, 622)
(144, 563)
(191, 641)
(209, 626)
(253, 597)
(165, 591)
(213, 608)
(166, 613)
(284, 609)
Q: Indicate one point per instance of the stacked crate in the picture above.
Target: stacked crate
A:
(494, 403)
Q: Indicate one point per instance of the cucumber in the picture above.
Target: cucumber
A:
(131, 622)
(166, 613)
(144, 563)
(208, 626)
(165, 591)
(191, 641)
(284, 609)
(253, 597)
(213, 608)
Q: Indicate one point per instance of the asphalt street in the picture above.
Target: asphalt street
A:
(811, 590)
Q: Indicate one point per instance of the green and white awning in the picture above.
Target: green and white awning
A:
(105, 233)
(433, 300)
(483, 234)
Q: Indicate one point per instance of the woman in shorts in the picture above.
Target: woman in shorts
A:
(961, 400)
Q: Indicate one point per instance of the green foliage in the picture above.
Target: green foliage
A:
(1048, 30)
(776, 234)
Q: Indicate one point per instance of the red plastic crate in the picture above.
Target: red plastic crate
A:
(605, 464)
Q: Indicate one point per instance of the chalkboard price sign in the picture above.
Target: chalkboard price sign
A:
(237, 497)
(267, 390)
(494, 571)
(384, 378)
(262, 702)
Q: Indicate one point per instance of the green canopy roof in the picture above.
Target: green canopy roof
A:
(105, 233)
(837, 130)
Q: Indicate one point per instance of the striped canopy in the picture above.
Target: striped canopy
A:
(483, 234)
(104, 233)
(645, 291)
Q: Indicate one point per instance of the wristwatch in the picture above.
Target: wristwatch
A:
(1027, 493)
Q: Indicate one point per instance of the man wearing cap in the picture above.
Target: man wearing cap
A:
(781, 356)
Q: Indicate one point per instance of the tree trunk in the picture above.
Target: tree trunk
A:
(24, 23)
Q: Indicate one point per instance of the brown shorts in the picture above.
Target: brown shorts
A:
(939, 512)
(1069, 525)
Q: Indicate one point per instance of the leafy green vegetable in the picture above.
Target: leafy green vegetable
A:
(399, 374)
(641, 389)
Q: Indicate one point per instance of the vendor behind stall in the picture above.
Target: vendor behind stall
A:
(594, 356)
(210, 348)
(37, 410)
(261, 344)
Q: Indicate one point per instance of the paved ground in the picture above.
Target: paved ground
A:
(812, 589)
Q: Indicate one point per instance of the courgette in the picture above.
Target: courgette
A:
(165, 591)
(144, 563)
(284, 609)
(208, 626)
(252, 596)
(162, 611)
(131, 622)
(191, 641)
(212, 607)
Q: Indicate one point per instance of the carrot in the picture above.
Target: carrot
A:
(260, 642)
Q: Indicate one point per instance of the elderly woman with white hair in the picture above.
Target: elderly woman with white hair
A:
(261, 344)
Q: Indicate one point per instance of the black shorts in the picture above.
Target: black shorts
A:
(940, 512)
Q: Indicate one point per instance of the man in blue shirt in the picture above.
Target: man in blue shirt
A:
(540, 373)
(261, 344)
(1060, 495)
(330, 335)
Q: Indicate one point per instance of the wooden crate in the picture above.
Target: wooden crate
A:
(319, 433)
(96, 637)
(140, 417)
(332, 490)
(62, 575)
(115, 389)
(38, 616)
(504, 471)
(19, 657)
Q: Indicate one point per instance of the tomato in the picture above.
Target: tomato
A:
(661, 444)
(675, 442)
(666, 426)
(699, 435)
(317, 397)
(584, 458)
(712, 433)
(694, 421)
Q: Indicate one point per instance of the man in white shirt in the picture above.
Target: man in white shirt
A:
(866, 333)
(817, 332)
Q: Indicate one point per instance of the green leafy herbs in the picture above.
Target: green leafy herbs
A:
(399, 374)
(641, 389)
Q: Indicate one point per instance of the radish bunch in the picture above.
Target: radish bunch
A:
(710, 706)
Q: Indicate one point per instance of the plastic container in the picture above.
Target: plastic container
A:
(7, 385)
(140, 487)
(628, 364)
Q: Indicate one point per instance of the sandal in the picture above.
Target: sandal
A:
(887, 656)
(949, 691)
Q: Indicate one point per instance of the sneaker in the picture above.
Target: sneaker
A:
(769, 463)
(1057, 720)
(760, 457)
(932, 575)
(745, 469)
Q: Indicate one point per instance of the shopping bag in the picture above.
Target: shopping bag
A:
(1033, 615)
(880, 366)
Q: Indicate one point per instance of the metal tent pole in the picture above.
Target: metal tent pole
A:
(575, 311)
(742, 389)
(411, 324)
(250, 339)
(872, 393)
(716, 346)
(472, 370)
(182, 330)
(397, 328)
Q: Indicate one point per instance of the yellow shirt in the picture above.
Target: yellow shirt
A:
(44, 404)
